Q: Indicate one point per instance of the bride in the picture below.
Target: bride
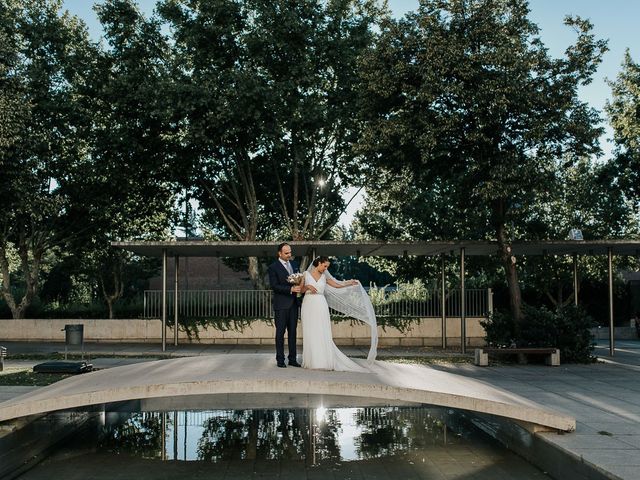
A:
(348, 297)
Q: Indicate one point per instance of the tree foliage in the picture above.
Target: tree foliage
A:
(266, 111)
(128, 188)
(624, 115)
(464, 96)
(455, 118)
(44, 57)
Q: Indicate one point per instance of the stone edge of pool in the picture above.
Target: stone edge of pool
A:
(257, 373)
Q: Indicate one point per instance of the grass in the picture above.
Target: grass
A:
(428, 360)
(24, 377)
(77, 356)
(46, 356)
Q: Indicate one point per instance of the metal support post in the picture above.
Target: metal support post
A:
(163, 426)
(175, 302)
(611, 328)
(175, 435)
(3, 354)
(575, 279)
(164, 300)
(463, 306)
(443, 301)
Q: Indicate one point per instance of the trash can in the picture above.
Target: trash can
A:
(73, 334)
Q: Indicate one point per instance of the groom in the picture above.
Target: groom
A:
(285, 303)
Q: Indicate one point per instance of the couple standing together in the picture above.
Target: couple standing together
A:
(321, 291)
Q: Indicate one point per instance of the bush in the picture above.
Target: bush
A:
(409, 291)
(567, 328)
(499, 330)
(95, 309)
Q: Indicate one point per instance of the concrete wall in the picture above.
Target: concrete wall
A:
(619, 333)
(427, 332)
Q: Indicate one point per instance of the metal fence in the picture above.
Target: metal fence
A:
(257, 304)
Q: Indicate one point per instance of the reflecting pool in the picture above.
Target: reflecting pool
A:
(285, 443)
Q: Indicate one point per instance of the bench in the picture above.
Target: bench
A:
(552, 354)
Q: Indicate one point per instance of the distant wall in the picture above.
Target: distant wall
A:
(620, 333)
(426, 332)
(202, 273)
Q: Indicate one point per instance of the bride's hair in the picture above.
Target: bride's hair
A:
(318, 260)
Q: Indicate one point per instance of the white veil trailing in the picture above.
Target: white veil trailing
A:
(353, 301)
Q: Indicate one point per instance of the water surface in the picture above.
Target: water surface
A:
(297, 443)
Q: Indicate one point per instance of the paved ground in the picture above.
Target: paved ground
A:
(603, 397)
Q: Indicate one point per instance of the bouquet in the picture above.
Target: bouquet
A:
(295, 279)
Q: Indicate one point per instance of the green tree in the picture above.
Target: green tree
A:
(128, 188)
(624, 116)
(45, 54)
(586, 195)
(464, 95)
(266, 111)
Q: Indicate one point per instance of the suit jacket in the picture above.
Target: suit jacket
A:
(282, 296)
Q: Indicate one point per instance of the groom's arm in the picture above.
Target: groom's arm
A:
(276, 286)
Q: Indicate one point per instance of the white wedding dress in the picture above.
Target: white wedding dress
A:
(318, 349)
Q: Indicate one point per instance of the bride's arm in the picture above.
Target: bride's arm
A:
(345, 283)
(305, 289)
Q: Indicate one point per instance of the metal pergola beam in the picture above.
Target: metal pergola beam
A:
(191, 248)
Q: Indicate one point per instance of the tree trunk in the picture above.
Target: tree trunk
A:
(241, 219)
(31, 272)
(118, 288)
(256, 274)
(110, 306)
(509, 264)
(6, 279)
(559, 300)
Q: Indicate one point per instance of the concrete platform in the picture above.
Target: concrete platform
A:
(257, 373)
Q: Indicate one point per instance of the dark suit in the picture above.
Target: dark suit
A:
(285, 308)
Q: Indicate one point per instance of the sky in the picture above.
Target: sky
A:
(613, 20)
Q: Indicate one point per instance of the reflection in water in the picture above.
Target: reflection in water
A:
(250, 434)
(340, 443)
(139, 434)
(310, 435)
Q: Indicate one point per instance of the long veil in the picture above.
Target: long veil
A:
(353, 301)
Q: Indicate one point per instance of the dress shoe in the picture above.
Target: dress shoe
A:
(294, 364)
(282, 365)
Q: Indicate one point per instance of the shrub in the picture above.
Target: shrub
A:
(410, 291)
(567, 328)
(499, 329)
(95, 309)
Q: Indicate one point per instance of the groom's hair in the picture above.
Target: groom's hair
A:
(281, 246)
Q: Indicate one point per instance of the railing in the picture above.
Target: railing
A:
(211, 303)
(383, 416)
(257, 304)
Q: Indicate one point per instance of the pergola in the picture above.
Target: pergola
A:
(575, 248)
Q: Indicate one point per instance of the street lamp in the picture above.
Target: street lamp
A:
(575, 234)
